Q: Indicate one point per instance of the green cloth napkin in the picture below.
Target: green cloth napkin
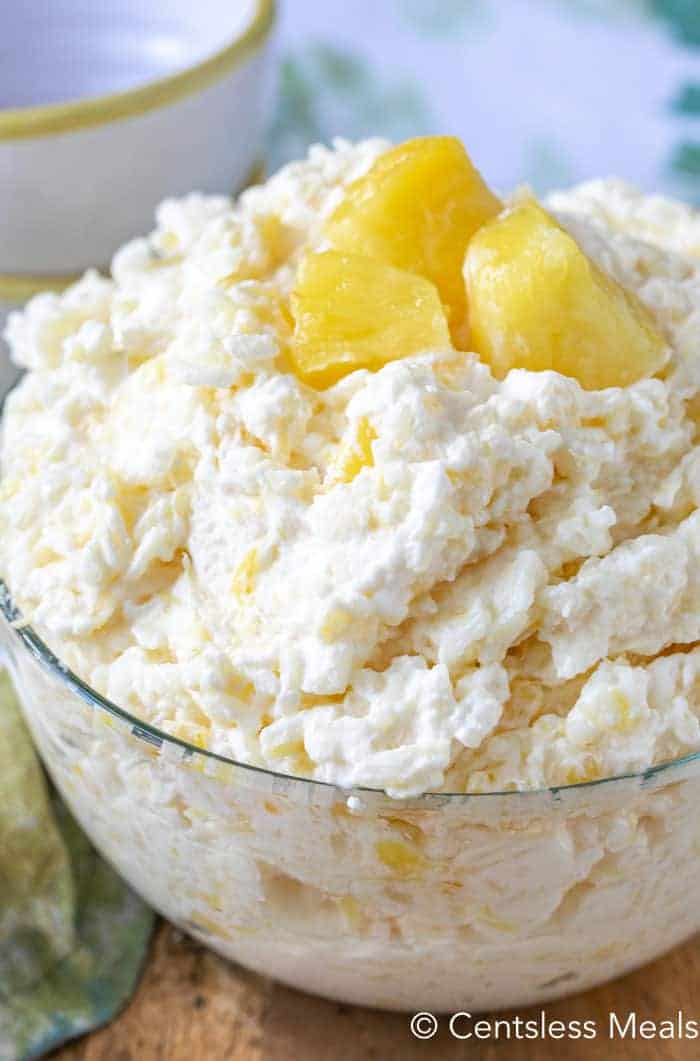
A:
(72, 935)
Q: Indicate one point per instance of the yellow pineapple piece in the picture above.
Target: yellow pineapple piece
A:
(334, 625)
(402, 859)
(353, 453)
(243, 580)
(536, 301)
(416, 209)
(353, 312)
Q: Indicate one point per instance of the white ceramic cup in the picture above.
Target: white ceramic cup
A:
(111, 107)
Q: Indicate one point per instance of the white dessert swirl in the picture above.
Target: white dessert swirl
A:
(505, 596)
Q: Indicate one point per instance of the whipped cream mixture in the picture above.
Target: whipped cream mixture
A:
(505, 592)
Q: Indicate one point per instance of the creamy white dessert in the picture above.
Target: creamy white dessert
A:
(490, 602)
(426, 577)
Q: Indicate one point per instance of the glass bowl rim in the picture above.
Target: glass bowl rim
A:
(35, 645)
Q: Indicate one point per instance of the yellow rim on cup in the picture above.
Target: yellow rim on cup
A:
(23, 123)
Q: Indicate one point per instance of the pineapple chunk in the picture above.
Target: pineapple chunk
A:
(244, 577)
(353, 453)
(536, 301)
(402, 859)
(416, 209)
(353, 312)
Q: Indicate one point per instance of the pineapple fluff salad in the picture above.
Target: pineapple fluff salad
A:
(419, 578)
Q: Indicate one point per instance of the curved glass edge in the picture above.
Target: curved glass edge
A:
(52, 118)
(30, 641)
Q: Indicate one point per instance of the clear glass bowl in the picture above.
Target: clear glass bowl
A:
(442, 903)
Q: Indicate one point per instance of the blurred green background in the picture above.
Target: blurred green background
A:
(547, 92)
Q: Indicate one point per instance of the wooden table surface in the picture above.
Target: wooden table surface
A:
(192, 1006)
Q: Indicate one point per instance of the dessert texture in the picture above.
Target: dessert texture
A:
(389, 563)
(422, 578)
